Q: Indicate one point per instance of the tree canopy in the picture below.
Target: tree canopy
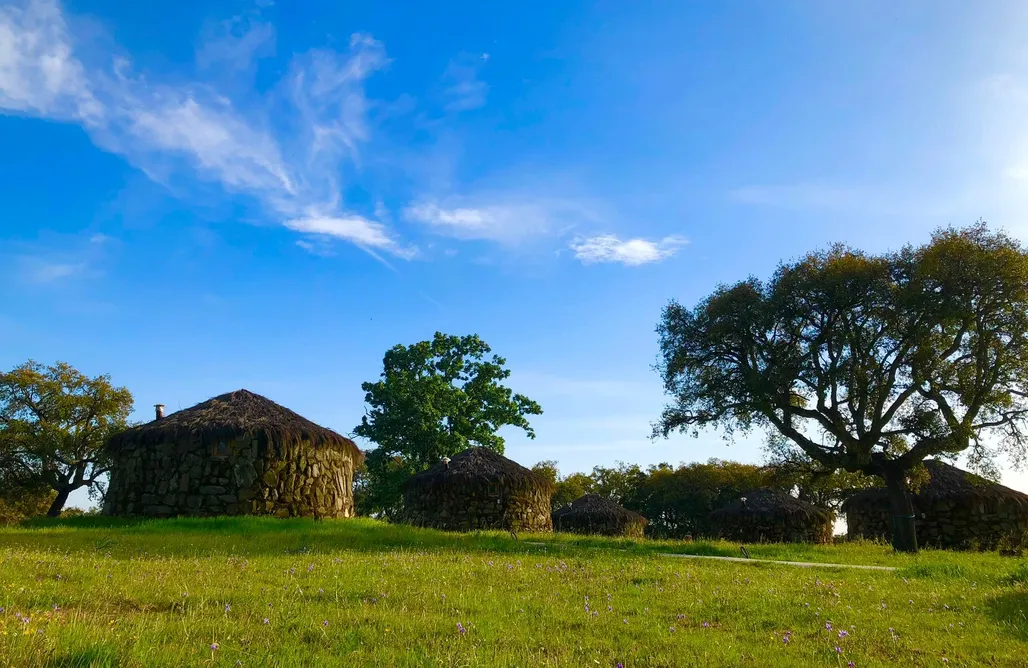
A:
(867, 363)
(434, 399)
(54, 423)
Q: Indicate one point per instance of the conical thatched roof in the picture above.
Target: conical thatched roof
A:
(766, 502)
(945, 482)
(232, 415)
(476, 466)
(596, 507)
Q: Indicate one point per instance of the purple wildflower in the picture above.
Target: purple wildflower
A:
(785, 639)
(706, 625)
(672, 629)
(620, 665)
(324, 623)
(843, 634)
(214, 646)
(838, 650)
(851, 665)
(228, 608)
(828, 626)
(460, 627)
(266, 621)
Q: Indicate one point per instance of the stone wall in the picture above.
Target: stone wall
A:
(600, 526)
(947, 524)
(469, 508)
(245, 476)
(781, 529)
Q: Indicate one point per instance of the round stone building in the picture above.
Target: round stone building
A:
(478, 489)
(236, 454)
(772, 516)
(952, 509)
(595, 514)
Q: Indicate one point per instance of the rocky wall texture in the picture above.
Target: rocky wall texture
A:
(469, 508)
(599, 526)
(774, 530)
(237, 477)
(947, 524)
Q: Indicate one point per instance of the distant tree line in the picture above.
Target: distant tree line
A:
(678, 500)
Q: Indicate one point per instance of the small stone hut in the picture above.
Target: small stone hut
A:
(478, 489)
(595, 514)
(952, 509)
(772, 516)
(236, 454)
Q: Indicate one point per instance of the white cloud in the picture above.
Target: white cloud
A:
(38, 72)
(464, 90)
(505, 220)
(355, 229)
(608, 248)
(235, 43)
(194, 130)
(41, 271)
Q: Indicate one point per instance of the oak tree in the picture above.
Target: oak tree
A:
(434, 399)
(54, 424)
(867, 363)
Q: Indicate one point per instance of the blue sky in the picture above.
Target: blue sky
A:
(224, 194)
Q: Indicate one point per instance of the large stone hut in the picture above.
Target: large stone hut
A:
(952, 509)
(235, 454)
(478, 489)
(772, 516)
(595, 514)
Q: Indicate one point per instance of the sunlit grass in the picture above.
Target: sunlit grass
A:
(294, 592)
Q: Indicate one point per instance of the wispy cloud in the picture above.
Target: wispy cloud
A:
(464, 90)
(507, 220)
(235, 43)
(59, 260)
(193, 130)
(608, 248)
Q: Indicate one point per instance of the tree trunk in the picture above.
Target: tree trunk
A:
(58, 505)
(904, 533)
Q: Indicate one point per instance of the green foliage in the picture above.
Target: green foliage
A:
(54, 423)
(434, 399)
(866, 363)
(567, 489)
(678, 501)
(790, 468)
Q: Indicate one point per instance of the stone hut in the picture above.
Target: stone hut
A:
(952, 509)
(772, 516)
(595, 514)
(235, 454)
(478, 489)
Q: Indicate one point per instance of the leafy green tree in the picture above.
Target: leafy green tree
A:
(619, 483)
(678, 501)
(790, 468)
(568, 488)
(54, 423)
(434, 399)
(867, 363)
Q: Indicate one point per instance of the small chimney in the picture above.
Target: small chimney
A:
(159, 411)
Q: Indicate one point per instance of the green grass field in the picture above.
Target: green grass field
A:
(260, 592)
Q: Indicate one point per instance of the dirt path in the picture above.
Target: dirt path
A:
(802, 564)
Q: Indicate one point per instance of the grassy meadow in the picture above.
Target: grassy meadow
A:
(264, 592)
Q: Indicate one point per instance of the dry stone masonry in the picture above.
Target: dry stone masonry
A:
(238, 453)
(249, 478)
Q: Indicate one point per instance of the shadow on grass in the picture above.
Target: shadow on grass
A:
(91, 657)
(255, 536)
(1010, 610)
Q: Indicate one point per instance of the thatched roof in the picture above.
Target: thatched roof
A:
(766, 502)
(477, 466)
(232, 415)
(595, 507)
(945, 482)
